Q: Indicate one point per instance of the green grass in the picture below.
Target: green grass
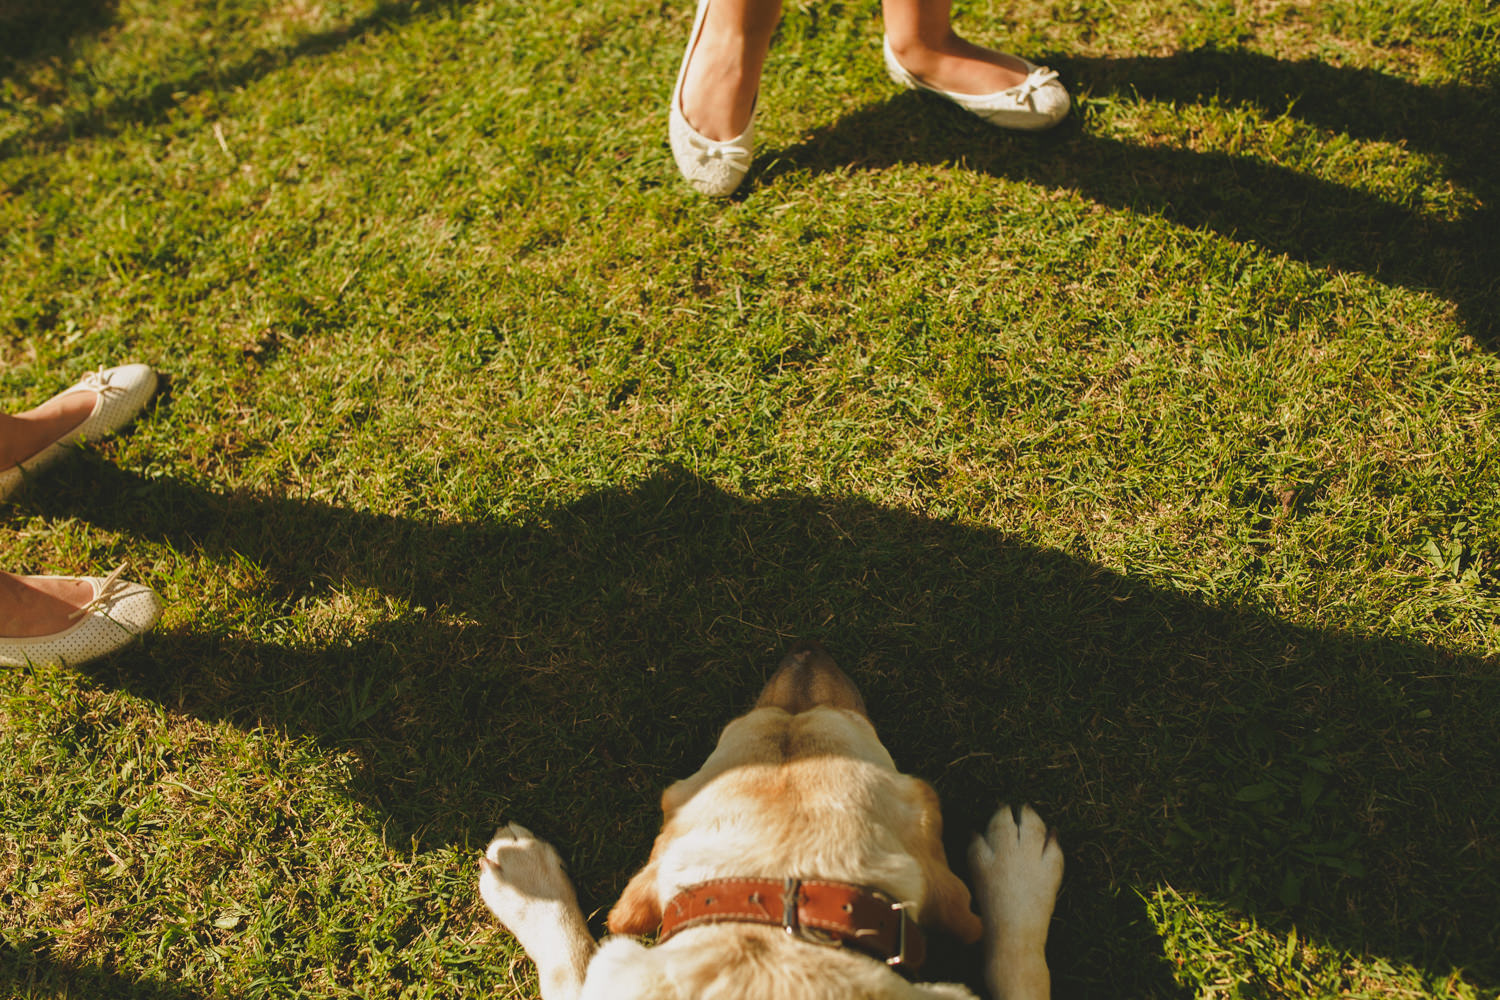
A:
(1145, 470)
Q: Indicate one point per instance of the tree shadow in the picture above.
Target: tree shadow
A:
(28, 971)
(1242, 198)
(43, 29)
(562, 670)
(155, 103)
(1361, 103)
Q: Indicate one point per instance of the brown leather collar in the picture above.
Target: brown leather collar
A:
(835, 914)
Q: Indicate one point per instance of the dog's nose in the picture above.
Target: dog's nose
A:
(806, 650)
(808, 678)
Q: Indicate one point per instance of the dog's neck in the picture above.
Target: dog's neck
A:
(833, 914)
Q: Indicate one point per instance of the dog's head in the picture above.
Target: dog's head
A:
(801, 786)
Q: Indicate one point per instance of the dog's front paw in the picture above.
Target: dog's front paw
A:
(519, 874)
(1018, 868)
(523, 883)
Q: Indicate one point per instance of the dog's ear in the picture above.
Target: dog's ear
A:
(676, 796)
(947, 903)
(638, 911)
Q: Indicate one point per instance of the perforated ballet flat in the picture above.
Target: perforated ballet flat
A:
(120, 394)
(117, 614)
(712, 167)
(1036, 103)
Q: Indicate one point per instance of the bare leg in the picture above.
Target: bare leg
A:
(39, 605)
(524, 885)
(723, 74)
(1017, 868)
(921, 35)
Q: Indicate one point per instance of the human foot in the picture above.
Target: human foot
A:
(1020, 95)
(98, 405)
(40, 605)
(24, 435)
(722, 76)
(711, 119)
(959, 66)
(64, 619)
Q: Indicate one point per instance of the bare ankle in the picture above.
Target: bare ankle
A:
(919, 53)
(761, 21)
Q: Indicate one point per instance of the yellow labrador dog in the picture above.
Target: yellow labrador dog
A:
(797, 863)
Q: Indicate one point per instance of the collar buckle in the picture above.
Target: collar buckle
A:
(791, 887)
(898, 960)
(791, 917)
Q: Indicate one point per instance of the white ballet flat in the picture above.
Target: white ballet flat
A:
(119, 394)
(1038, 102)
(712, 167)
(118, 612)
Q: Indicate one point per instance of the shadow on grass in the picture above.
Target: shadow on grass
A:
(561, 671)
(155, 102)
(28, 972)
(42, 29)
(1243, 198)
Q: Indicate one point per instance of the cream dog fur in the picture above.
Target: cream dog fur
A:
(800, 786)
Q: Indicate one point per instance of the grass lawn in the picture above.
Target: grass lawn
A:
(1147, 470)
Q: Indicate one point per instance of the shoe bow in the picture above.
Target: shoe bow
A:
(99, 382)
(104, 598)
(1035, 80)
(709, 151)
